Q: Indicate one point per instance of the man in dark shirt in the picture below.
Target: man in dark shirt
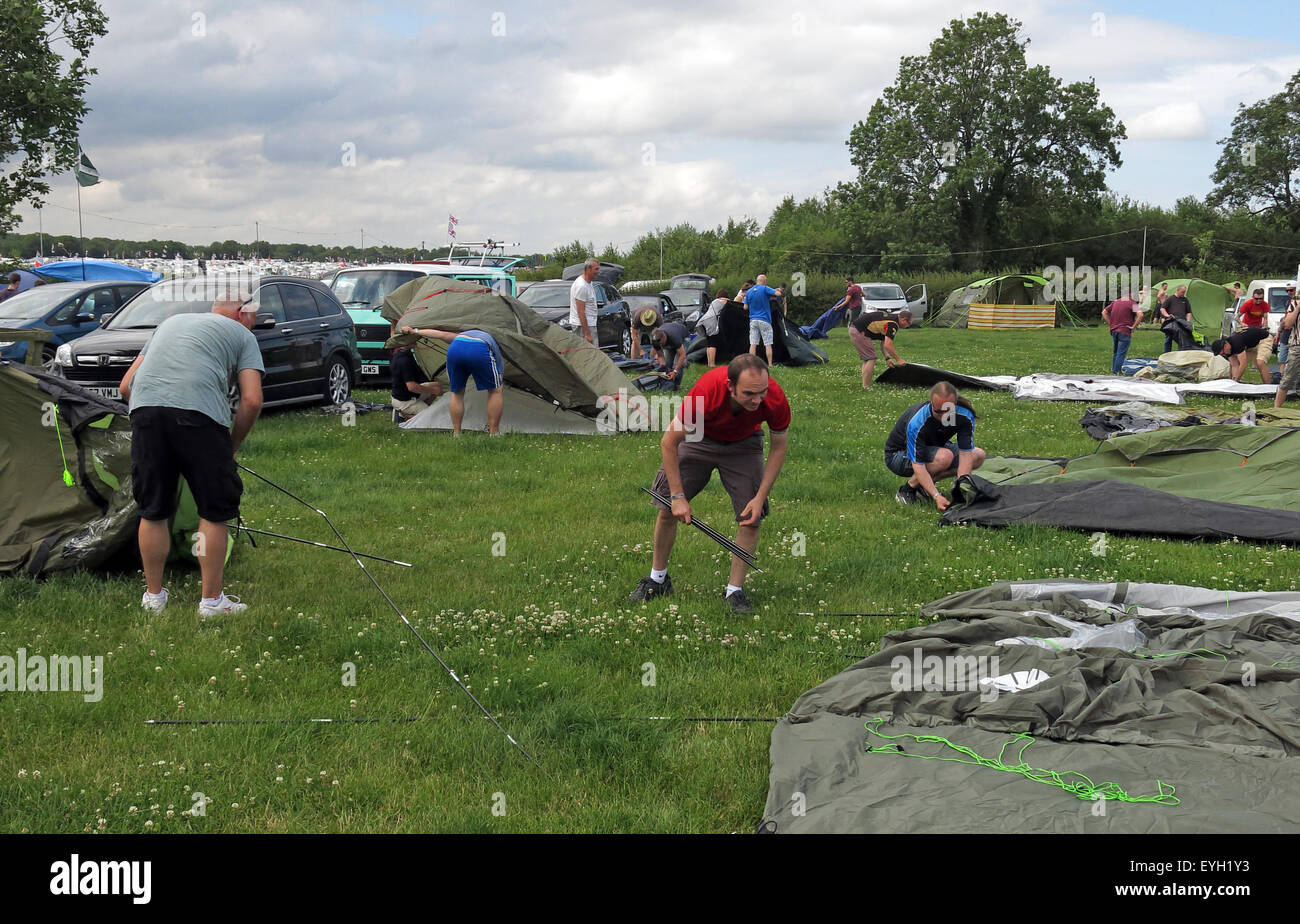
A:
(1239, 348)
(920, 446)
(1178, 308)
(871, 327)
(1175, 307)
(411, 393)
(668, 344)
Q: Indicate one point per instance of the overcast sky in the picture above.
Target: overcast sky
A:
(545, 122)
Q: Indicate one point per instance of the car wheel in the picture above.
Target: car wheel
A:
(627, 340)
(338, 383)
(47, 358)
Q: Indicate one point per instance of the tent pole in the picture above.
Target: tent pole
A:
(1142, 267)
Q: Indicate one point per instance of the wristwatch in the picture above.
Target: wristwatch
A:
(675, 496)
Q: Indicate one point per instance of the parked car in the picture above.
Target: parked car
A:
(550, 299)
(1274, 294)
(889, 296)
(362, 290)
(68, 310)
(690, 302)
(306, 339)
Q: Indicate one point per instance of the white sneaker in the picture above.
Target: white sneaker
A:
(155, 603)
(224, 606)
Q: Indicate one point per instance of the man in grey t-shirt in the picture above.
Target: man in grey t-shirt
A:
(178, 391)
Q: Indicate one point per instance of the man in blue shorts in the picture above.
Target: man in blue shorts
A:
(920, 446)
(470, 353)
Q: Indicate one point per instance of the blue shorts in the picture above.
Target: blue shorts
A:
(472, 356)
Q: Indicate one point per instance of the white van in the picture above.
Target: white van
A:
(889, 296)
(1274, 294)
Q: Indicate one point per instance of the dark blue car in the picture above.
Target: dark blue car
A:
(68, 310)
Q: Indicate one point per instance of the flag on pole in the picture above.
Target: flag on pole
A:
(452, 221)
(87, 173)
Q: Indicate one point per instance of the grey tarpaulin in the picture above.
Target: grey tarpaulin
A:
(1202, 714)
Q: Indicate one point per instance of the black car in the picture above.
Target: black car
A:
(550, 299)
(690, 302)
(306, 338)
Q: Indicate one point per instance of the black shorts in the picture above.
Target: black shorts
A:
(739, 465)
(170, 443)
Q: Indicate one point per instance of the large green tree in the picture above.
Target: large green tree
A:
(1259, 166)
(42, 93)
(971, 145)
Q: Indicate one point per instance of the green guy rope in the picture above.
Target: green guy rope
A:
(67, 475)
(1081, 786)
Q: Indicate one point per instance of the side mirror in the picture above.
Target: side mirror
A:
(83, 318)
(103, 322)
(265, 322)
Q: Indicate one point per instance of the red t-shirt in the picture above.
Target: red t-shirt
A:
(854, 297)
(1122, 316)
(719, 422)
(1253, 313)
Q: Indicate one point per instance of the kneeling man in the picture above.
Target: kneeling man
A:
(920, 448)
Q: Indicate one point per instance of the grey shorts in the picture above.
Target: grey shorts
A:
(739, 465)
(760, 332)
(866, 347)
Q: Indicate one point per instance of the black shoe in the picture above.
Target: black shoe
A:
(738, 602)
(648, 587)
(908, 495)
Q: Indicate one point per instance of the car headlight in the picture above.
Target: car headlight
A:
(63, 355)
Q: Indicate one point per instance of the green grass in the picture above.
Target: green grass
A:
(541, 634)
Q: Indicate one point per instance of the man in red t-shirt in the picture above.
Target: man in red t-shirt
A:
(852, 300)
(1254, 316)
(1254, 311)
(720, 426)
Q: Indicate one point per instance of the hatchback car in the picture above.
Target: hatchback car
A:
(68, 310)
(550, 299)
(306, 339)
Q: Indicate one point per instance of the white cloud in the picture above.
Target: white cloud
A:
(1172, 122)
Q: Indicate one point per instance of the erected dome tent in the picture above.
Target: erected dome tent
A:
(1013, 302)
(1056, 707)
(1207, 299)
(52, 521)
(556, 382)
(89, 270)
(789, 346)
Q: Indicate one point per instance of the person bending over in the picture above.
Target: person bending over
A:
(470, 353)
(1242, 349)
(872, 327)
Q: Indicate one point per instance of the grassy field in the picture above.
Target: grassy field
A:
(542, 633)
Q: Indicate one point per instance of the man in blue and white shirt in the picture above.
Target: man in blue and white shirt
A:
(933, 440)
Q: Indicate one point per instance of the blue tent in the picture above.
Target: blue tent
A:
(72, 271)
(821, 328)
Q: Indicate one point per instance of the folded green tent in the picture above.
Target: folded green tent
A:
(1213, 481)
(1056, 707)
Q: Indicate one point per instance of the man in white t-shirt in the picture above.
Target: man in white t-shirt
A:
(582, 301)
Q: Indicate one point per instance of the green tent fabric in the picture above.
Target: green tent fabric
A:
(1077, 707)
(1215, 481)
(1208, 301)
(47, 524)
(1011, 289)
(541, 358)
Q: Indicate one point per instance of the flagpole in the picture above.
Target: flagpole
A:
(81, 237)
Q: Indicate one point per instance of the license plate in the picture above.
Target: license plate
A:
(105, 392)
(369, 369)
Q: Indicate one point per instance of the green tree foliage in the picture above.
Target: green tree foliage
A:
(41, 94)
(1259, 166)
(971, 138)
